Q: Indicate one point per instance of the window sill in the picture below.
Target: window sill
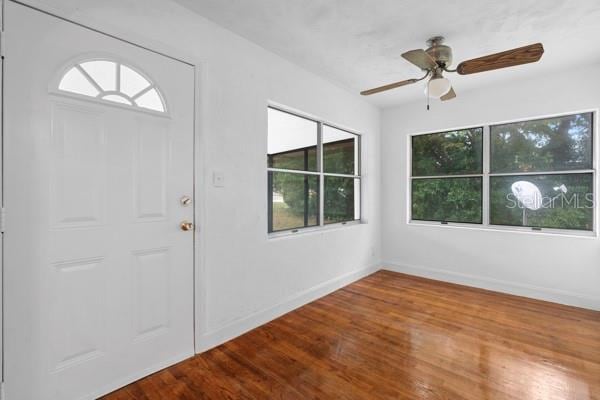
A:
(313, 229)
(507, 229)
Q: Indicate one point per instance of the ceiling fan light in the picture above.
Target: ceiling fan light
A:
(438, 87)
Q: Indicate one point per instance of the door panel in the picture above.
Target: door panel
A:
(78, 288)
(150, 169)
(98, 274)
(78, 166)
(151, 292)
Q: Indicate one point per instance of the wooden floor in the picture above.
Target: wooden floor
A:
(392, 336)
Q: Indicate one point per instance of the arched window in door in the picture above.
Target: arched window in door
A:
(112, 81)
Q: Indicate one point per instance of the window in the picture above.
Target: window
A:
(541, 174)
(305, 158)
(447, 176)
(113, 82)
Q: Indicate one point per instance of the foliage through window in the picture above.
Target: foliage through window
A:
(437, 191)
(448, 153)
(541, 174)
(306, 158)
(113, 82)
(447, 199)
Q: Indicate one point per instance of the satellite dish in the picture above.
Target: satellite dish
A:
(528, 194)
(561, 188)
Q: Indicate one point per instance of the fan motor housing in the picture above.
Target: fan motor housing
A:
(441, 53)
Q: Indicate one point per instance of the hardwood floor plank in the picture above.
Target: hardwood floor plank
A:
(395, 336)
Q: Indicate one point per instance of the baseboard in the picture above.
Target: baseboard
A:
(243, 325)
(519, 289)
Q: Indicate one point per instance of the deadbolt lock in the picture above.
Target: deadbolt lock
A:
(186, 201)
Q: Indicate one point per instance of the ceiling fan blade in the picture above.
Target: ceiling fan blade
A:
(449, 96)
(388, 87)
(509, 58)
(420, 58)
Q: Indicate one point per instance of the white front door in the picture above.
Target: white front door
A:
(98, 155)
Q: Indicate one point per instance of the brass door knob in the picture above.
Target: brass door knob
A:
(186, 226)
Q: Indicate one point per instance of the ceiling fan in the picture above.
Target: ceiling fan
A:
(436, 59)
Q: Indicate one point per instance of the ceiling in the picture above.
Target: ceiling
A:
(358, 43)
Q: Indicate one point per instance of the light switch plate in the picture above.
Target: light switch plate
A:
(218, 179)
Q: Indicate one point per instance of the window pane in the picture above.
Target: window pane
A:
(131, 82)
(104, 73)
(342, 199)
(294, 200)
(150, 100)
(447, 199)
(551, 144)
(448, 153)
(340, 151)
(562, 201)
(292, 141)
(304, 159)
(75, 82)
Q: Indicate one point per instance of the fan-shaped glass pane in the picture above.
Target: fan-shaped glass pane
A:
(103, 72)
(131, 82)
(150, 100)
(112, 81)
(117, 99)
(74, 81)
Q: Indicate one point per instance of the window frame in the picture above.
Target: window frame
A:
(53, 86)
(448, 176)
(320, 174)
(486, 179)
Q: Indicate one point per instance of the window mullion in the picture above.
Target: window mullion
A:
(486, 155)
(321, 221)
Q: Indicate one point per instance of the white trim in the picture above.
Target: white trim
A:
(294, 171)
(449, 176)
(303, 172)
(498, 285)
(572, 171)
(506, 229)
(313, 229)
(320, 168)
(242, 325)
(2, 170)
(485, 183)
(200, 127)
(341, 175)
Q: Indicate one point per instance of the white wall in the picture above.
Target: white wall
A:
(243, 277)
(558, 268)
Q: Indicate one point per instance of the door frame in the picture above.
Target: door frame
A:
(199, 127)
(2, 199)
